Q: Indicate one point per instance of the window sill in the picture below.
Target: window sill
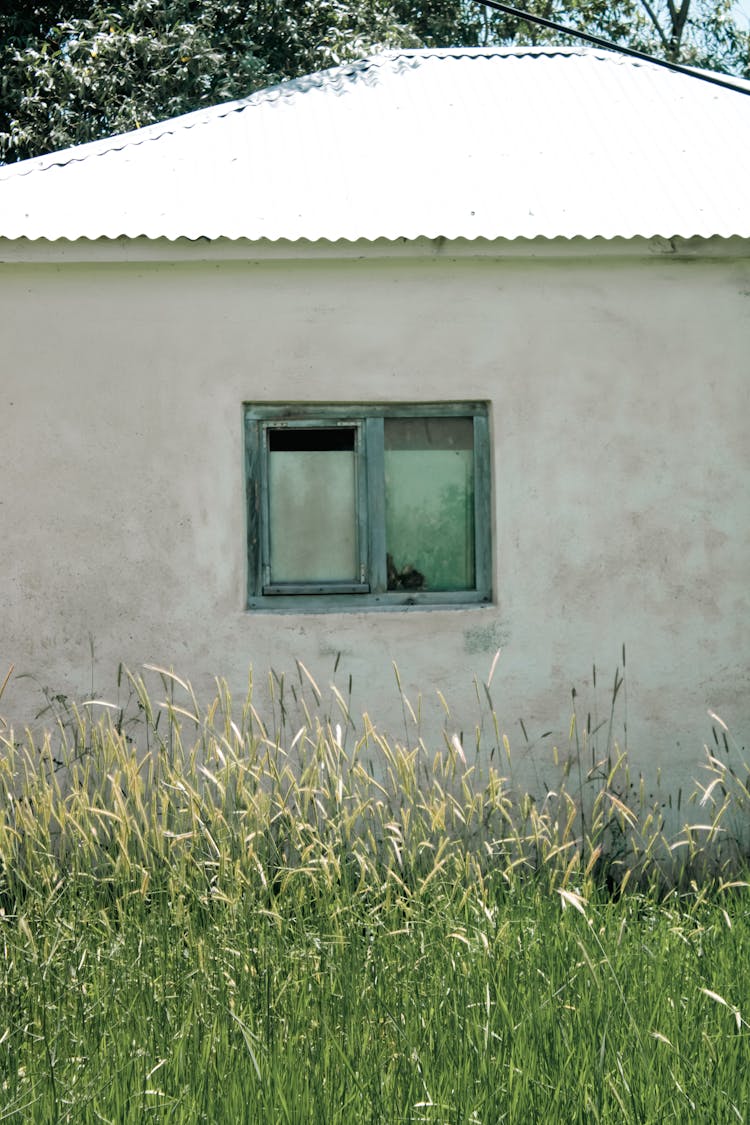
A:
(387, 602)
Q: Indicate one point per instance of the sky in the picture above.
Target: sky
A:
(742, 13)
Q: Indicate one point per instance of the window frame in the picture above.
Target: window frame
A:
(371, 592)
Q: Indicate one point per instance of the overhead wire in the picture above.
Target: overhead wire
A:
(679, 68)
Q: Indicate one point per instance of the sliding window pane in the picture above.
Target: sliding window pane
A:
(312, 504)
(429, 503)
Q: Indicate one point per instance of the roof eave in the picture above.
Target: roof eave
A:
(83, 250)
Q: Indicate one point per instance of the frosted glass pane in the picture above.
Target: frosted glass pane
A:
(312, 508)
(429, 503)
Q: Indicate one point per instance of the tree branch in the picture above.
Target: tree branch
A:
(663, 38)
(679, 22)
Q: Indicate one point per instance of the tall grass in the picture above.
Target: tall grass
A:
(211, 915)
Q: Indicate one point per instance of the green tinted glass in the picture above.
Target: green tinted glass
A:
(429, 503)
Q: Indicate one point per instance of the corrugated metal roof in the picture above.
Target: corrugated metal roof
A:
(496, 143)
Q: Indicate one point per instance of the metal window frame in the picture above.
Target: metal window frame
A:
(372, 592)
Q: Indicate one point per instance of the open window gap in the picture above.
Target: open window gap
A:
(303, 439)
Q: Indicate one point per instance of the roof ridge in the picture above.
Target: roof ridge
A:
(287, 88)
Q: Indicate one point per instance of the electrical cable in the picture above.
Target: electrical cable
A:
(703, 75)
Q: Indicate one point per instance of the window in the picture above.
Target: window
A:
(353, 506)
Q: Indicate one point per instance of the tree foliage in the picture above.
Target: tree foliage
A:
(75, 70)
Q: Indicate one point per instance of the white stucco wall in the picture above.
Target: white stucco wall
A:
(618, 391)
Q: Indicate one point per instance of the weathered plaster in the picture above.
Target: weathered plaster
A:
(618, 391)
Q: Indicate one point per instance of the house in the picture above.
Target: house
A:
(430, 355)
